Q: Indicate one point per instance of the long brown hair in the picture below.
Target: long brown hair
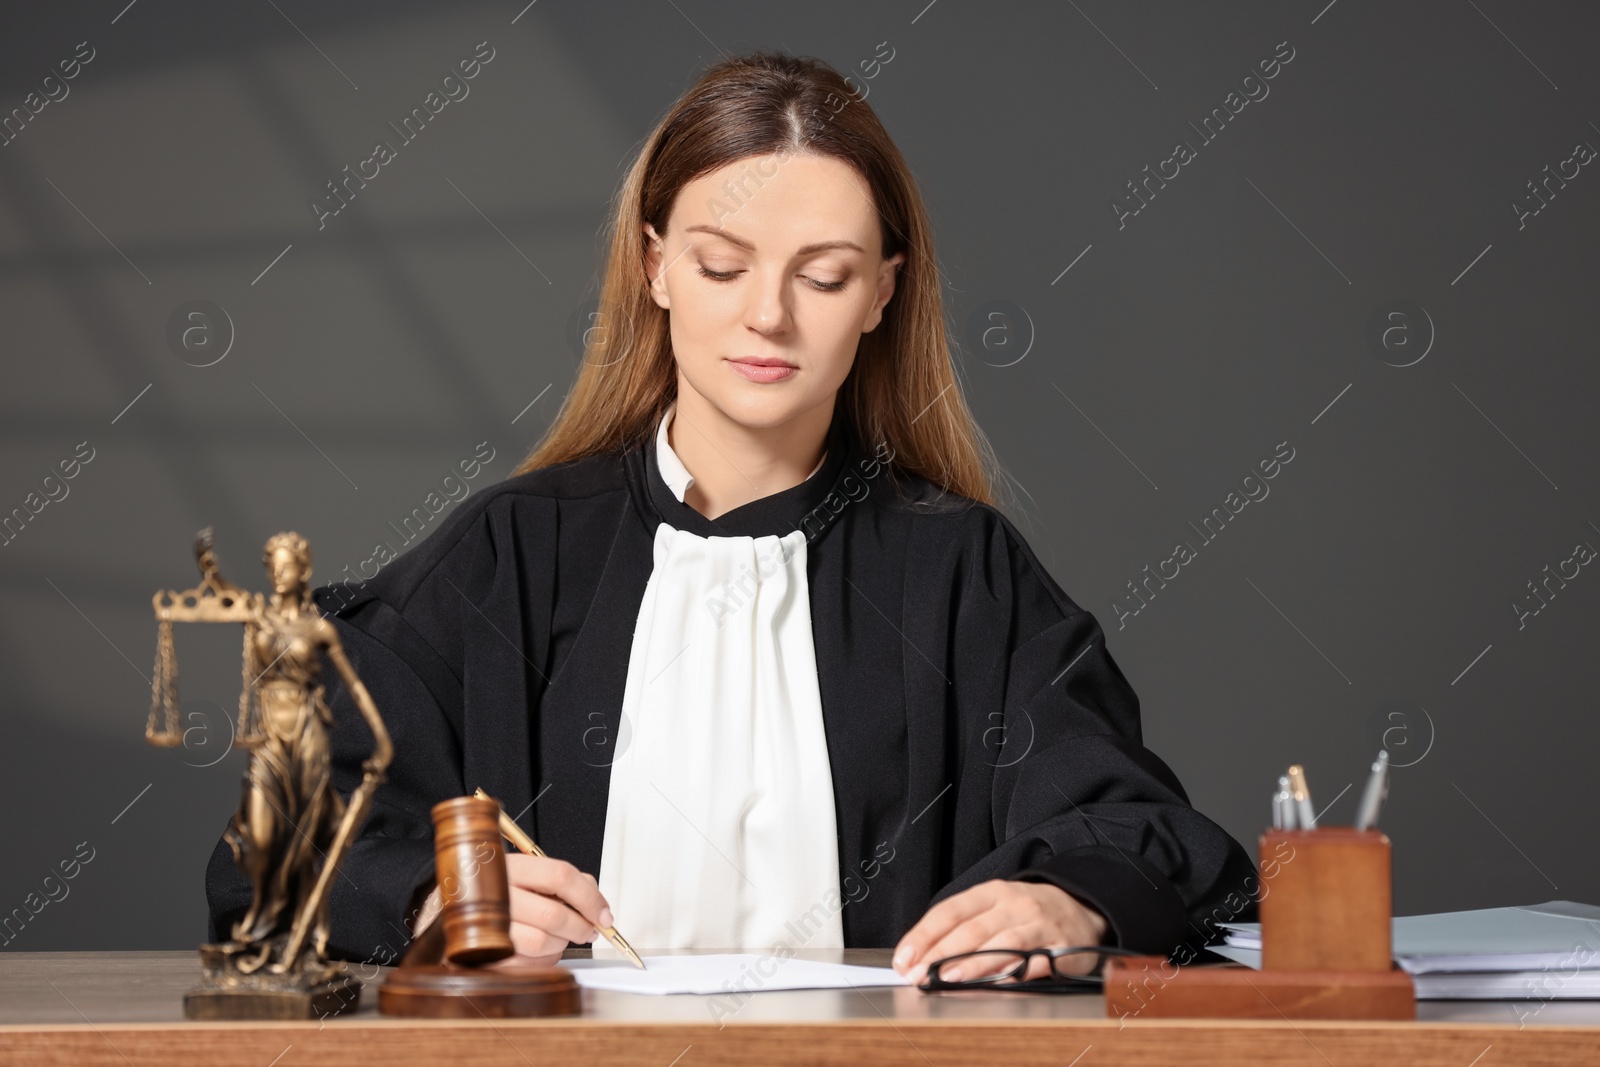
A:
(902, 389)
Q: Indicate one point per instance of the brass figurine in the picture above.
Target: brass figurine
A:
(292, 827)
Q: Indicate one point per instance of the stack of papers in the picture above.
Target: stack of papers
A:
(1545, 951)
(726, 973)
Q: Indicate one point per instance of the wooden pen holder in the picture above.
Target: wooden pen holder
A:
(1328, 906)
(1326, 951)
(444, 974)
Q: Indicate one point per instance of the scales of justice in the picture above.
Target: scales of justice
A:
(292, 827)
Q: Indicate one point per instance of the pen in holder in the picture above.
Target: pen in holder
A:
(443, 973)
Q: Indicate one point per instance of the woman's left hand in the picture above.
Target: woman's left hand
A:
(1002, 914)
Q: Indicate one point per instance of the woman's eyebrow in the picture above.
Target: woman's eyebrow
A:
(820, 246)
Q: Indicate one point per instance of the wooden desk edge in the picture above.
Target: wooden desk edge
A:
(387, 1024)
(880, 1042)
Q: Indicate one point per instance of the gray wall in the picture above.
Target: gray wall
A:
(1131, 369)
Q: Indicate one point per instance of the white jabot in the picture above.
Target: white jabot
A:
(720, 828)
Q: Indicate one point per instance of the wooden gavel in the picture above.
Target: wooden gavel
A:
(442, 974)
(470, 868)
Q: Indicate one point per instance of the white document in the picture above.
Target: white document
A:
(724, 974)
(1557, 935)
(1547, 951)
(1541, 984)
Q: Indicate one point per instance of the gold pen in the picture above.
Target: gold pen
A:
(517, 836)
(1302, 797)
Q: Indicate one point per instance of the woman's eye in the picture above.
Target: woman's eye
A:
(729, 275)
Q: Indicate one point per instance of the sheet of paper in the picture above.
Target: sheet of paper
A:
(729, 973)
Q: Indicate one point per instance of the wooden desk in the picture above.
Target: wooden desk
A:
(125, 1008)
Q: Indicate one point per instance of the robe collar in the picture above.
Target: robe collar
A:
(809, 506)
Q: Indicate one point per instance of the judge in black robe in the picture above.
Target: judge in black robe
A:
(977, 726)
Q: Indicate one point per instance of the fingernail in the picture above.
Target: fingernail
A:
(952, 975)
(902, 956)
(605, 917)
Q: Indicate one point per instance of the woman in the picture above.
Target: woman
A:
(744, 641)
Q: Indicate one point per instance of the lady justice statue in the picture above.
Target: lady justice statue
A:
(292, 827)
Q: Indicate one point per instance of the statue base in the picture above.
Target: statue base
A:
(325, 989)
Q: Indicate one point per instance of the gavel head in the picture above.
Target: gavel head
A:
(470, 863)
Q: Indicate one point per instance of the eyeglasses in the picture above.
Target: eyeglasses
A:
(1003, 968)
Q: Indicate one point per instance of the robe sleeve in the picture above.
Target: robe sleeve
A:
(1076, 799)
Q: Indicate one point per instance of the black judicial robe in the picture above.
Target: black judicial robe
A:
(977, 726)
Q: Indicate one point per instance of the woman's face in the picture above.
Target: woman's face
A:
(776, 259)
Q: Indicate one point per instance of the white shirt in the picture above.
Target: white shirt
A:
(674, 473)
(720, 829)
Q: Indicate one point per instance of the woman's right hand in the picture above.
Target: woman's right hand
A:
(552, 903)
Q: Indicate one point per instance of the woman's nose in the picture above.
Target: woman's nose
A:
(767, 310)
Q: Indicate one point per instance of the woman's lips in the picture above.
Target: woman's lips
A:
(764, 370)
